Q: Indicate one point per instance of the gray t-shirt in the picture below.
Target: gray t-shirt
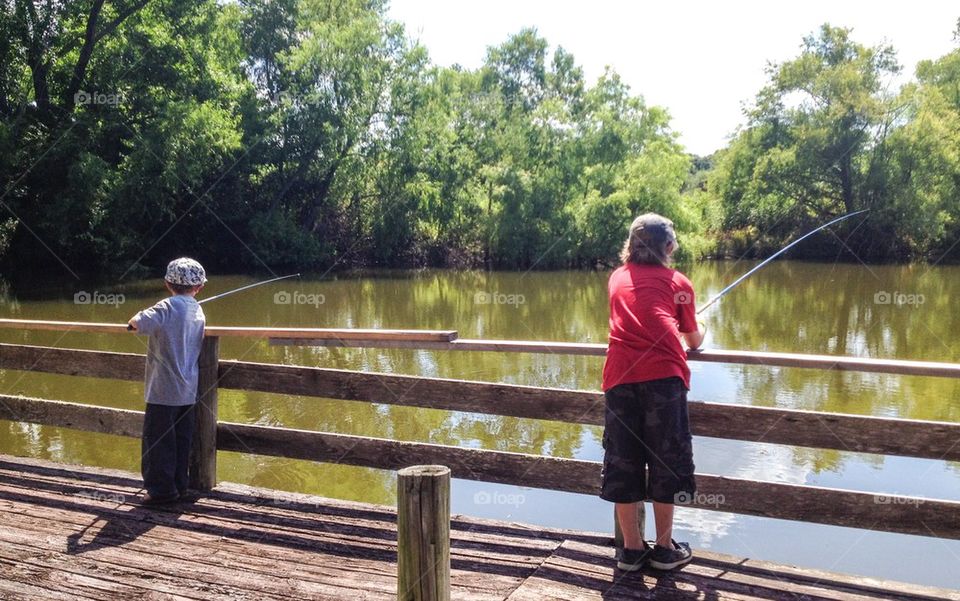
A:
(175, 326)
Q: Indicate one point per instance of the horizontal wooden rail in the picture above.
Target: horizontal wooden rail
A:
(448, 340)
(872, 511)
(823, 362)
(854, 433)
(334, 334)
(72, 362)
(862, 434)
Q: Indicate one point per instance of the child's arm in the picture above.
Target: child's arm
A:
(695, 339)
(149, 320)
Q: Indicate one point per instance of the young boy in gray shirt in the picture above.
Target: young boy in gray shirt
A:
(175, 327)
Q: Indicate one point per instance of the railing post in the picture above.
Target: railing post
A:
(423, 533)
(618, 534)
(203, 460)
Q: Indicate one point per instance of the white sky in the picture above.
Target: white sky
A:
(701, 60)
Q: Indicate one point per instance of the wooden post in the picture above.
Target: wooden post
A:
(423, 533)
(203, 459)
(618, 534)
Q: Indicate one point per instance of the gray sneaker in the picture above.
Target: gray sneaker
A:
(662, 558)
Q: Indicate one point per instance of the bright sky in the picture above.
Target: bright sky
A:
(700, 59)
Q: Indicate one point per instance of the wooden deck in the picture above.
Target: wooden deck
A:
(73, 533)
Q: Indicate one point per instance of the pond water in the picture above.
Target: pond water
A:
(905, 312)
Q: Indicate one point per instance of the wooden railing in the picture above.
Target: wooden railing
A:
(897, 437)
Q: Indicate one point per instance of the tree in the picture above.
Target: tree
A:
(814, 137)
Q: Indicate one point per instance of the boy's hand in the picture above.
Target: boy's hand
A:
(132, 324)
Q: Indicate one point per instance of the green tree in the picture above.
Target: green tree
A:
(812, 145)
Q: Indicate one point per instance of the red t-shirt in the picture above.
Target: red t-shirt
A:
(650, 306)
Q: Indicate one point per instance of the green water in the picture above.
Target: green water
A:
(789, 306)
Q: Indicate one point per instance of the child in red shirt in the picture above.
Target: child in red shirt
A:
(648, 450)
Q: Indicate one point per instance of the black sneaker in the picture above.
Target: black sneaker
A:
(631, 560)
(188, 496)
(663, 558)
(149, 500)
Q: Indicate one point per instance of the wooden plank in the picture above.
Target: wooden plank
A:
(890, 513)
(261, 539)
(580, 572)
(741, 357)
(820, 430)
(448, 340)
(437, 393)
(203, 455)
(854, 509)
(89, 418)
(343, 334)
(863, 434)
(854, 433)
(576, 570)
(72, 362)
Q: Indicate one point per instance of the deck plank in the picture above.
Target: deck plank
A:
(74, 533)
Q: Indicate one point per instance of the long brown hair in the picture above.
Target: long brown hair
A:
(649, 241)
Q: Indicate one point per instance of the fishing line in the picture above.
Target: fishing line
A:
(740, 280)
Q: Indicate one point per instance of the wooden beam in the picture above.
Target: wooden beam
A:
(89, 418)
(423, 533)
(854, 433)
(821, 362)
(890, 513)
(333, 334)
(861, 434)
(437, 393)
(72, 362)
(203, 456)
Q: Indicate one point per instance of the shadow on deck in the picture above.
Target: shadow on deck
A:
(73, 532)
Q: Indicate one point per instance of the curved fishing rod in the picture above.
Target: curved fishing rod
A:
(241, 288)
(247, 287)
(774, 256)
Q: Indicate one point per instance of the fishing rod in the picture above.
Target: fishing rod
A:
(247, 287)
(739, 280)
(240, 289)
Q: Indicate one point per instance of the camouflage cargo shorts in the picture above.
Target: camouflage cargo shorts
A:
(648, 449)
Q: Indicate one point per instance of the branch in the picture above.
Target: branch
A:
(91, 37)
(124, 14)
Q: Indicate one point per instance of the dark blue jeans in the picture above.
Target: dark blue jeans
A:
(165, 450)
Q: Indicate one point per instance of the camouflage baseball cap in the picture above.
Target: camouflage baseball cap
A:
(185, 272)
